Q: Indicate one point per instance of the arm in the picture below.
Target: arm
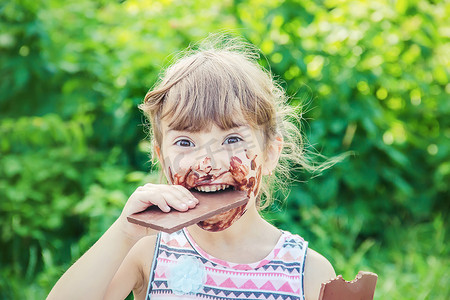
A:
(133, 273)
(90, 276)
(317, 270)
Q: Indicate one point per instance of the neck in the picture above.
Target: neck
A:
(251, 228)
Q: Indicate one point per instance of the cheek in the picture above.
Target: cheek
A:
(182, 164)
(247, 173)
(253, 182)
(177, 168)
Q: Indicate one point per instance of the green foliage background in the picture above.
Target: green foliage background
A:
(375, 75)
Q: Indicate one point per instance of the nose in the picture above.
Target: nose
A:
(211, 160)
(205, 165)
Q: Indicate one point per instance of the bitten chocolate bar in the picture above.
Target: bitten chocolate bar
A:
(361, 288)
(210, 204)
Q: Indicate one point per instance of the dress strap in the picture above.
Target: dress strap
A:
(303, 271)
(152, 269)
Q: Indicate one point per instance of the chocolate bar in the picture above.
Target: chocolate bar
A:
(361, 288)
(210, 204)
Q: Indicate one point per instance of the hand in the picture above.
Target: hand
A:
(164, 196)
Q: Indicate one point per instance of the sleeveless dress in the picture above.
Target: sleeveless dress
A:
(182, 270)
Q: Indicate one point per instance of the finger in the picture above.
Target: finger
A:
(175, 196)
(148, 185)
(181, 196)
(162, 204)
(181, 199)
(175, 199)
(138, 201)
(148, 198)
(186, 192)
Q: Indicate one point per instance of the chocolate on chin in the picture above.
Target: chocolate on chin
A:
(209, 205)
(361, 288)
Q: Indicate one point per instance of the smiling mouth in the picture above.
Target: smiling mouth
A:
(213, 188)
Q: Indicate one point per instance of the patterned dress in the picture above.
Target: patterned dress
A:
(182, 270)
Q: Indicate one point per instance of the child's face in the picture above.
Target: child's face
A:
(213, 160)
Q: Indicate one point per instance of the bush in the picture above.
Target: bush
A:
(374, 77)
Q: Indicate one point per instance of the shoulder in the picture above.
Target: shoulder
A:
(142, 254)
(145, 245)
(141, 257)
(317, 270)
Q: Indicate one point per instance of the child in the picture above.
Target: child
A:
(218, 121)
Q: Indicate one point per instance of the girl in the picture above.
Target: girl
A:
(218, 121)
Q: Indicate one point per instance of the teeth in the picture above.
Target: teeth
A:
(211, 188)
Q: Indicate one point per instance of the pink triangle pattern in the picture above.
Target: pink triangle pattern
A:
(268, 286)
(228, 283)
(173, 243)
(263, 263)
(288, 257)
(242, 267)
(276, 251)
(210, 281)
(286, 288)
(248, 285)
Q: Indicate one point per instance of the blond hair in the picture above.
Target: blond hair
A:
(220, 81)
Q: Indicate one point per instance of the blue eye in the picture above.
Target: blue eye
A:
(184, 143)
(232, 140)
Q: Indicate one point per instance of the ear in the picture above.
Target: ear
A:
(273, 153)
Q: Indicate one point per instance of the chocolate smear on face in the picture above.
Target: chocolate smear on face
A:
(239, 172)
(191, 180)
(205, 165)
(170, 175)
(250, 186)
(180, 179)
(202, 174)
(222, 221)
(249, 154)
(253, 165)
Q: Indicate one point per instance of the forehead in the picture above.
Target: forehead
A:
(192, 117)
(212, 129)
